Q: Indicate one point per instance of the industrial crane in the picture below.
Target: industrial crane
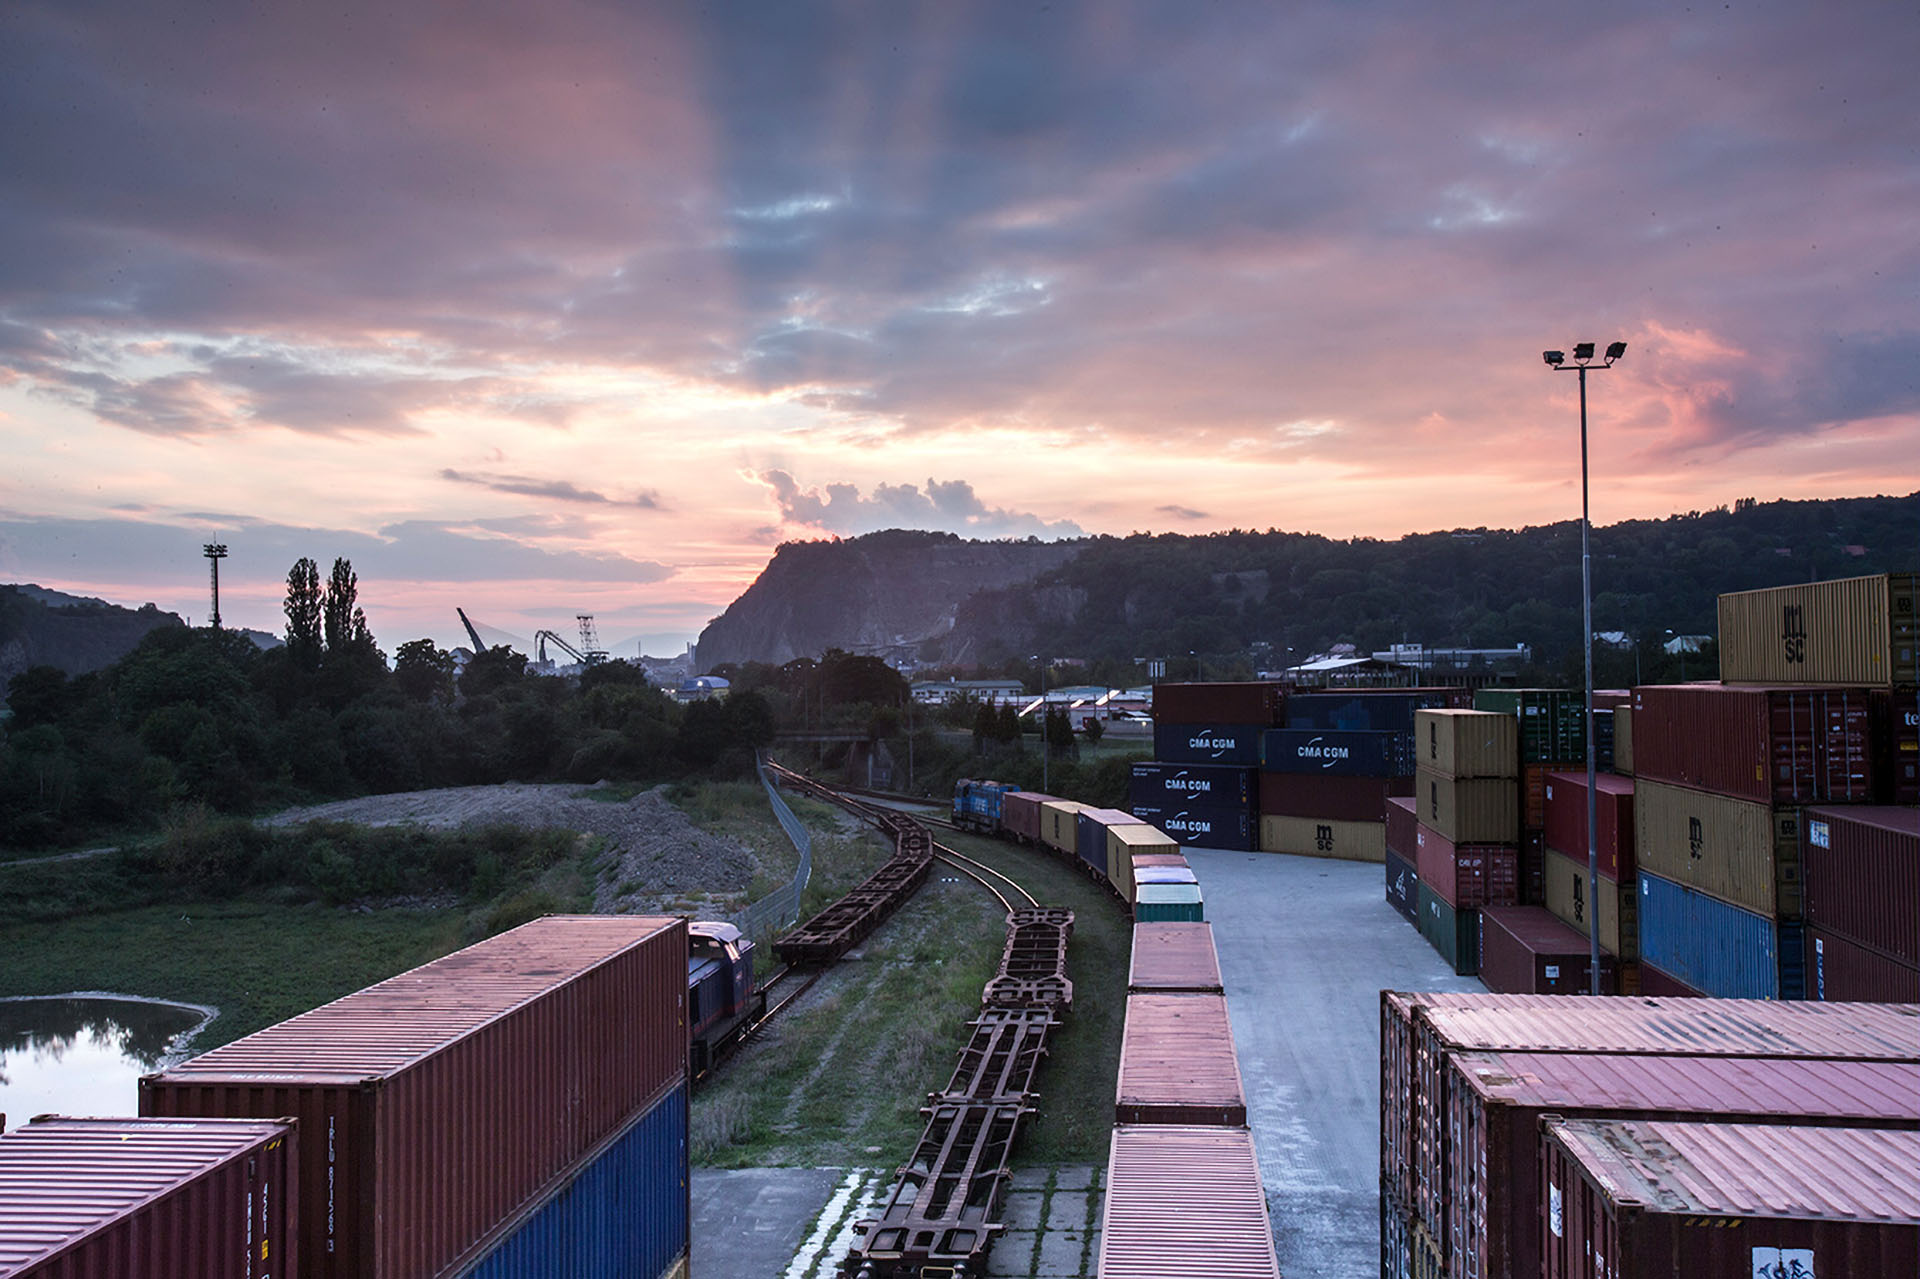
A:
(479, 645)
(588, 654)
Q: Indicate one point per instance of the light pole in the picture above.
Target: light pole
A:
(1582, 360)
(1046, 752)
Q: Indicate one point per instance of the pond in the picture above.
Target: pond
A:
(83, 1054)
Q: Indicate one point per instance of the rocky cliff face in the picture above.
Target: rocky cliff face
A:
(896, 592)
(39, 627)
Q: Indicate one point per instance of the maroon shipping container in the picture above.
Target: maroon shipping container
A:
(1664, 985)
(1177, 1064)
(1402, 820)
(1397, 1009)
(1841, 970)
(1533, 868)
(1895, 715)
(1343, 799)
(1236, 703)
(1860, 876)
(1174, 957)
(1533, 796)
(1184, 1203)
(1020, 814)
(1772, 745)
(436, 1104)
(1652, 1200)
(1496, 1102)
(1468, 874)
(1566, 828)
(156, 1198)
(1525, 950)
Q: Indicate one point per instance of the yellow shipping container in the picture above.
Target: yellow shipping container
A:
(1324, 837)
(1478, 810)
(1567, 898)
(1737, 850)
(1623, 740)
(1122, 843)
(1857, 630)
(1059, 820)
(1467, 743)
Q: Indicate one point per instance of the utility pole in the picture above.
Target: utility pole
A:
(215, 552)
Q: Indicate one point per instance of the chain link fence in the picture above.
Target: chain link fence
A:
(781, 907)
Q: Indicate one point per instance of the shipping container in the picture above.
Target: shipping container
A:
(1533, 796)
(1603, 739)
(1397, 1040)
(1771, 745)
(1184, 1203)
(1090, 826)
(1379, 710)
(1396, 1237)
(1841, 970)
(1623, 741)
(1860, 872)
(1202, 828)
(1192, 786)
(1403, 887)
(1569, 897)
(1207, 742)
(1640, 1199)
(1566, 824)
(1312, 837)
(1855, 630)
(1479, 810)
(1894, 717)
(1330, 752)
(1742, 852)
(1020, 814)
(1177, 1063)
(1229, 703)
(1495, 1102)
(624, 1215)
(1552, 721)
(1403, 825)
(1525, 950)
(1658, 985)
(1468, 874)
(1170, 958)
(1717, 948)
(1125, 841)
(1455, 933)
(1533, 868)
(557, 1032)
(1152, 874)
(1060, 826)
(157, 1198)
(1162, 903)
(1344, 799)
(1458, 743)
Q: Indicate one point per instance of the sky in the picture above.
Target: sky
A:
(566, 308)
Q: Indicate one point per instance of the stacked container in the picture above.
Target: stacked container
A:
(1467, 830)
(1861, 869)
(1403, 858)
(1553, 734)
(1211, 805)
(1570, 894)
(1213, 723)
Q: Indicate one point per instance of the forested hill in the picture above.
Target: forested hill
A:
(1223, 593)
(75, 634)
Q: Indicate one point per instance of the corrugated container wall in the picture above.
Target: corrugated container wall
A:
(1403, 887)
(1122, 843)
(557, 1032)
(1234, 703)
(1566, 824)
(1481, 810)
(1184, 1203)
(1841, 970)
(1771, 745)
(1090, 833)
(1719, 950)
(1382, 710)
(1623, 740)
(1552, 721)
(1192, 786)
(1860, 872)
(1313, 837)
(1468, 874)
(1525, 950)
(1163, 902)
(1856, 630)
(1174, 959)
(1328, 752)
(1202, 827)
(1347, 799)
(1403, 826)
(1568, 895)
(1207, 742)
(1177, 1063)
(1020, 814)
(156, 1198)
(1059, 827)
(1740, 851)
(1457, 743)
(1454, 933)
(1895, 717)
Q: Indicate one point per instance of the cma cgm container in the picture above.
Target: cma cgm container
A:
(1552, 721)
(1740, 851)
(1639, 1199)
(1345, 799)
(1330, 752)
(1207, 743)
(1313, 837)
(1184, 1203)
(157, 1198)
(1457, 743)
(1570, 897)
(1202, 827)
(1525, 950)
(1468, 874)
(1860, 872)
(1379, 710)
(1455, 933)
(1772, 745)
(439, 1103)
(1480, 810)
(1177, 1063)
(1174, 958)
(1857, 630)
(1719, 949)
(1192, 786)
(1566, 824)
(1231, 703)
(1841, 970)
(1403, 887)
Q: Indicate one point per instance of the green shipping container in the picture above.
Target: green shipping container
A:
(1553, 722)
(1454, 933)
(1161, 902)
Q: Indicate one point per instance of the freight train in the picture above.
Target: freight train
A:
(721, 998)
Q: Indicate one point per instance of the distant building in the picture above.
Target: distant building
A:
(1687, 643)
(701, 688)
(1352, 672)
(934, 692)
(1455, 659)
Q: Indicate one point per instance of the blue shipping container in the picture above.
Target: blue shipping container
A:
(625, 1216)
(1204, 828)
(1208, 743)
(1718, 949)
(1193, 786)
(1090, 834)
(1359, 712)
(1338, 752)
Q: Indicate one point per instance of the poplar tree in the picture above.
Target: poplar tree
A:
(303, 608)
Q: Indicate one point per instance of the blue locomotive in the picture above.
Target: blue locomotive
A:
(721, 999)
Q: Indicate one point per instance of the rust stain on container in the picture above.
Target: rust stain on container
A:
(1184, 1203)
(1174, 957)
(1177, 1064)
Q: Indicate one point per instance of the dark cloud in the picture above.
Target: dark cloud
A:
(949, 506)
(1181, 512)
(556, 490)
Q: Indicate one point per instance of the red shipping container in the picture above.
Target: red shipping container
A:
(1020, 814)
(436, 1104)
(1841, 970)
(1402, 818)
(1772, 745)
(1496, 1102)
(1177, 1064)
(1343, 799)
(1533, 796)
(1174, 957)
(1467, 874)
(1654, 982)
(1896, 745)
(1653, 1200)
(1525, 950)
(1184, 1201)
(156, 1198)
(1225, 703)
(1566, 827)
(1860, 876)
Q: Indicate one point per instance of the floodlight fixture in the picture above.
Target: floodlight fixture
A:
(1555, 358)
(1615, 350)
(1583, 350)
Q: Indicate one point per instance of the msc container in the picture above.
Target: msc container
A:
(1125, 841)
(1177, 1064)
(1468, 743)
(1359, 709)
(1060, 827)
(1841, 970)
(1403, 887)
(1455, 933)
(1860, 872)
(1330, 752)
(1090, 826)
(1204, 828)
(1184, 1203)
(1230, 703)
(1645, 1199)
(1566, 824)
(1020, 814)
(1207, 742)
(441, 1102)
(1552, 721)
(1525, 950)
(1569, 897)
(1495, 1102)
(1312, 837)
(1856, 630)
(1173, 959)
(1169, 902)
(1773, 745)
(1894, 715)
(1718, 949)
(1344, 799)
(1468, 874)
(160, 1198)
(1737, 850)
(1192, 786)
(1480, 810)
(1403, 826)
(625, 1215)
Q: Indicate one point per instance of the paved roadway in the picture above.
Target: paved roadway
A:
(1306, 945)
